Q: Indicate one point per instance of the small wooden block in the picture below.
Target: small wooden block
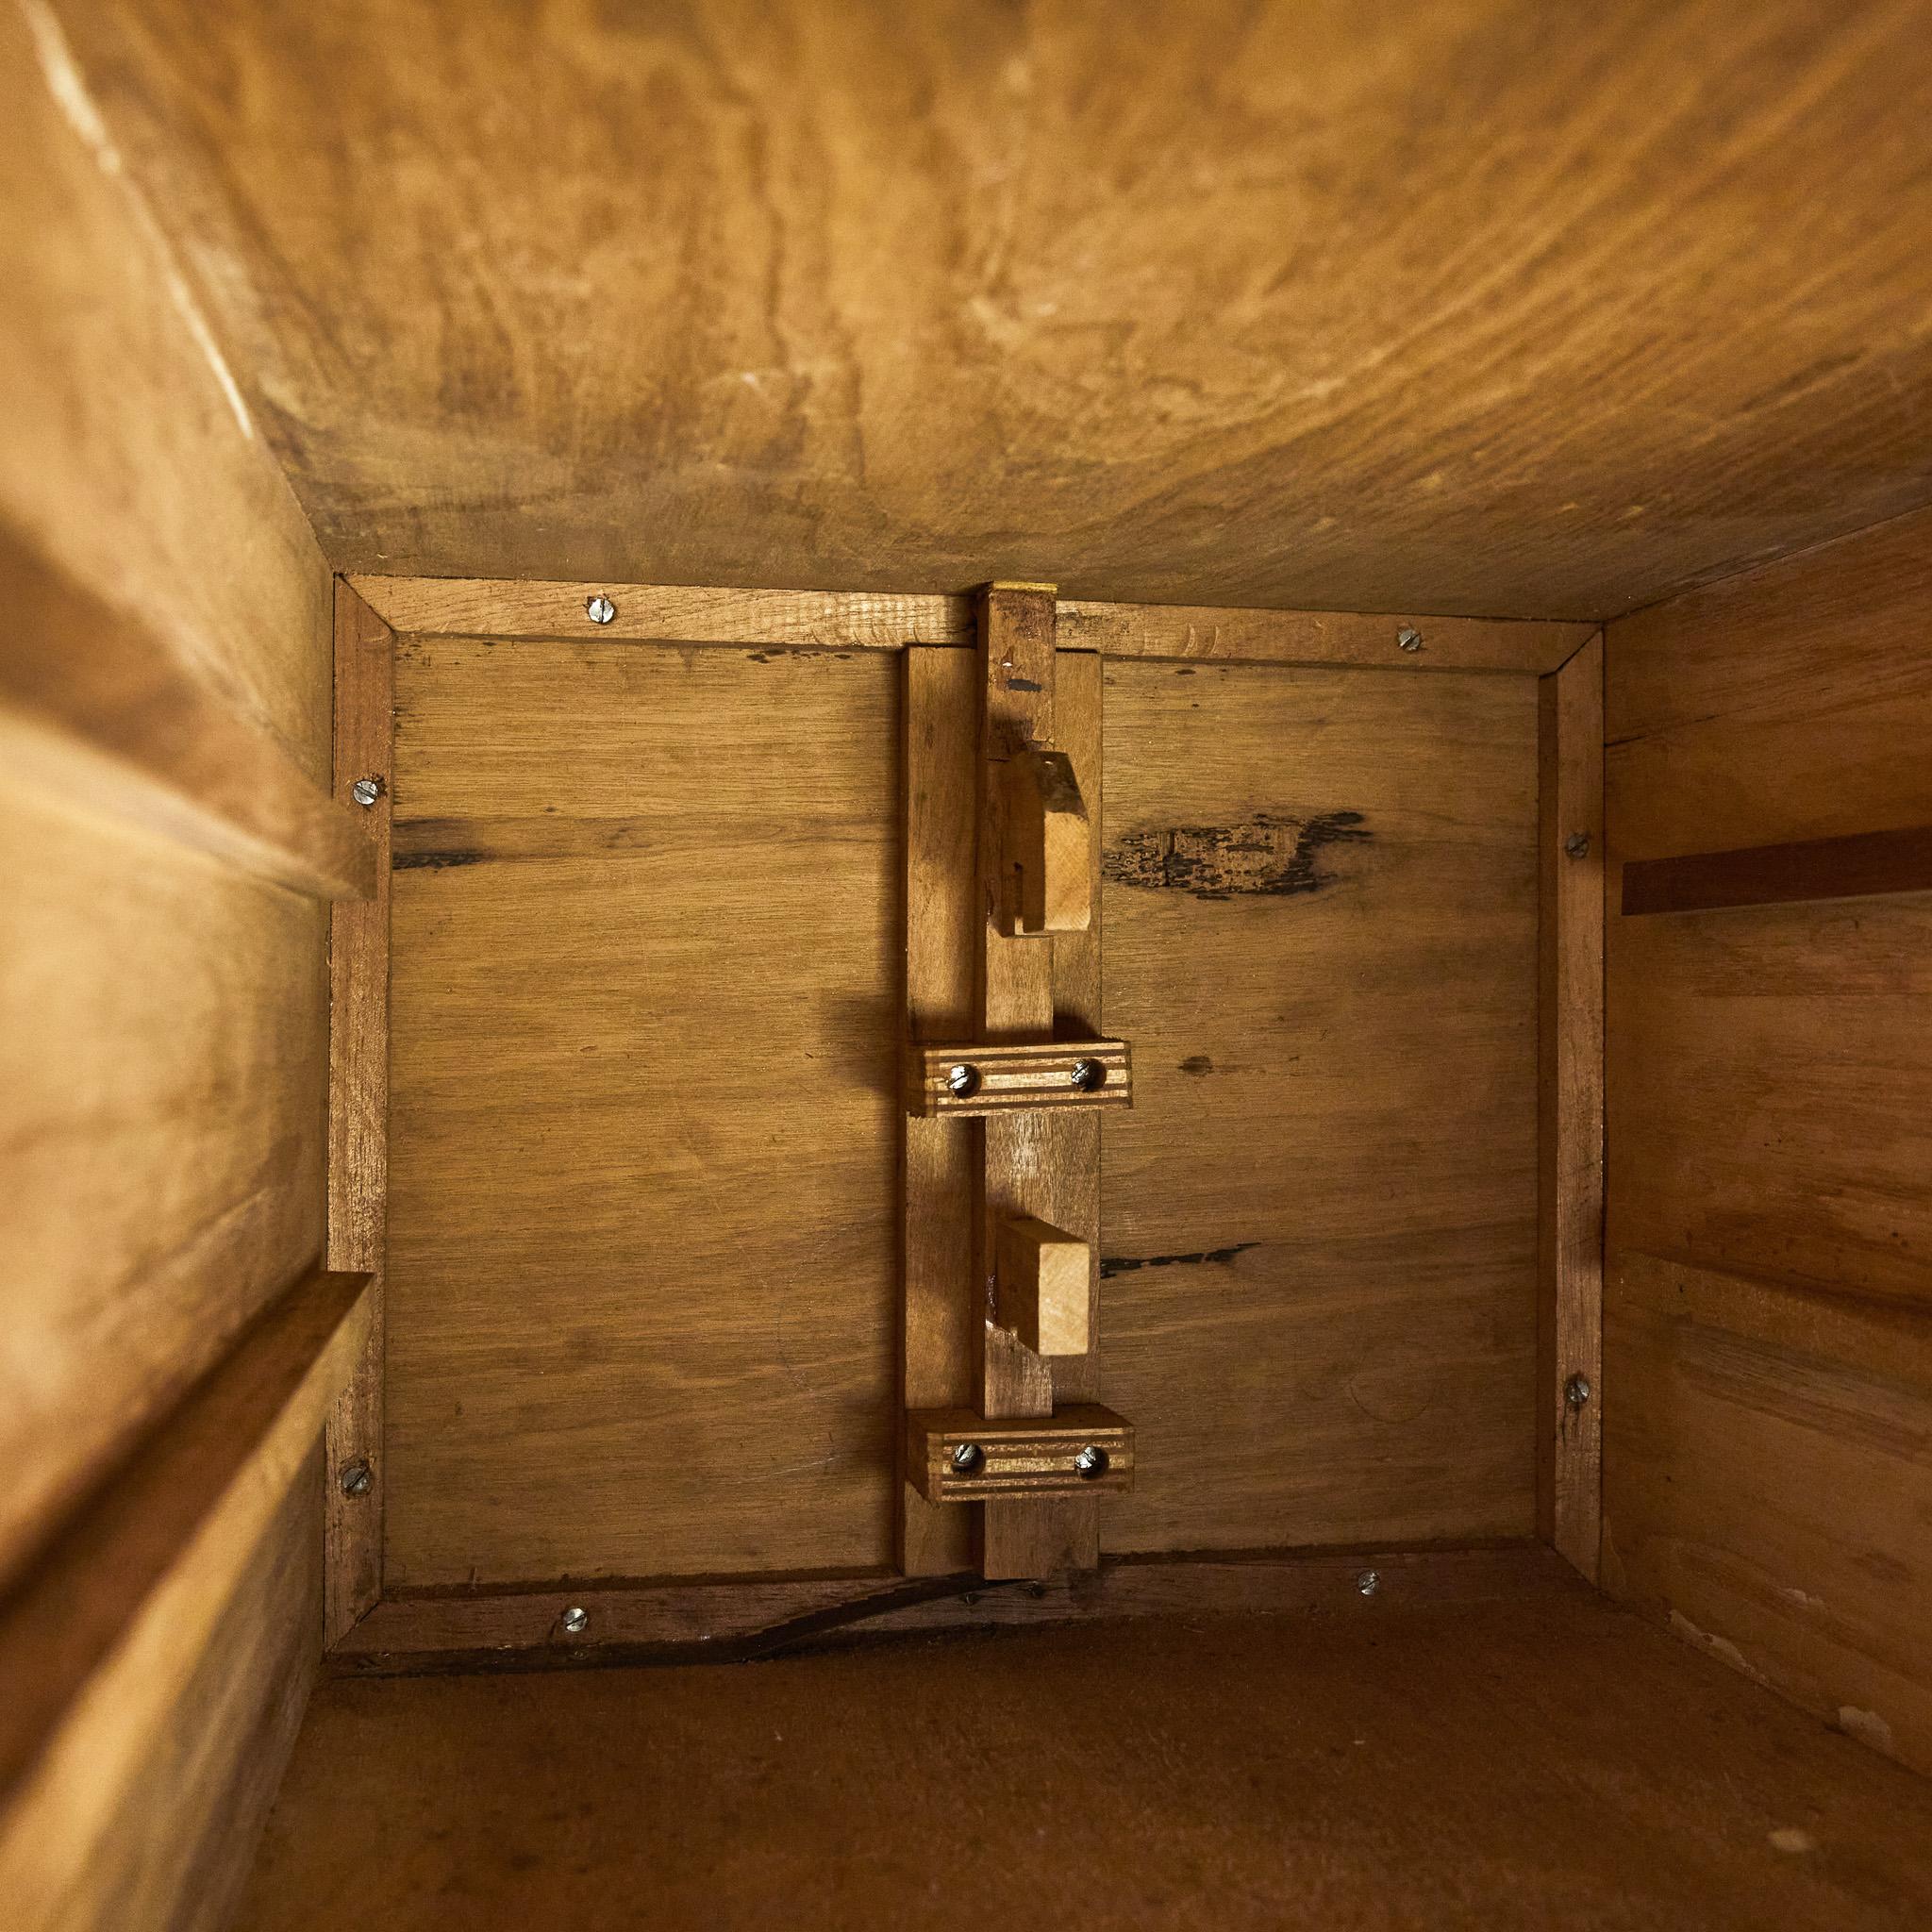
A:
(1044, 1278)
(1049, 849)
(1019, 1457)
(1012, 1078)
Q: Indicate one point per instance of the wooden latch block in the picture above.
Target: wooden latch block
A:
(1049, 846)
(967, 1082)
(1043, 1281)
(955, 1456)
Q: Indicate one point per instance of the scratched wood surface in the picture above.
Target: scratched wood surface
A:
(641, 1304)
(1318, 1295)
(1487, 307)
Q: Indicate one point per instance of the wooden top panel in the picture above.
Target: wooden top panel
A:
(644, 1112)
(1489, 308)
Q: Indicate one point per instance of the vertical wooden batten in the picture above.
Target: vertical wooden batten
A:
(359, 1113)
(1571, 1109)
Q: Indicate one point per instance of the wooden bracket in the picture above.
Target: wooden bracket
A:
(1049, 872)
(963, 1082)
(1040, 1278)
(954, 1456)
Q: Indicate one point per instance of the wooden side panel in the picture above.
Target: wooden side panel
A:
(644, 1113)
(163, 1016)
(1319, 1265)
(1771, 1128)
(1570, 1109)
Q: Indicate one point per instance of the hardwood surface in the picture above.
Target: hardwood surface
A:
(358, 1114)
(1503, 1766)
(1765, 1463)
(1570, 1109)
(1860, 866)
(1237, 308)
(763, 1617)
(97, 709)
(835, 619)
(644, 1113)
(1319, 1275)
(126, 1774)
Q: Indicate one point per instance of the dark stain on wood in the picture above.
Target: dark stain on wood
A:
(1197, 1063)
(435, 862)
(1112, 1265)
(1274, 853)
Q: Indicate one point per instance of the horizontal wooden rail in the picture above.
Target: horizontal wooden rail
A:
(725, 1619)
(1863, 865)
(99, 708)
(253, 1420)
(864, 620)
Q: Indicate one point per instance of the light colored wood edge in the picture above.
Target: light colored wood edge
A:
(1020, 1077)
(1028, 1255)
(100, 709)
(359, 1113)
(727, 1619)
(837, 620)
(1571, 1110)
(247, 1426)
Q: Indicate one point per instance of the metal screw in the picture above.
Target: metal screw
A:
(575, 1620)
(1089, 1077)
(1409, 638)
(968, 1456)
(1368, 1583)
(1577, 844)
(1090, 1464)
(599, 610)
(1577, 1390)
(962, 1082)
(355, 1478)
(366, 791)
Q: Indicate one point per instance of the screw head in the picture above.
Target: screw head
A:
(1577, 844)
(1092, 1464)
(575, 1620)
(1409, 638)
(962, 1082)
(1368, 1583)
(1089, 1077)
(355, 1478)
(1577, 1390)
(968, 1456)
(366, 791)
(599, 610)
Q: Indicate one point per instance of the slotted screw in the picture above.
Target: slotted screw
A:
(366, 791)
(1409, 638)
(1092, 1463)
(1368, 1583)
(962, 1082)
(1577, 1390)
(575, 1620)
(967, 1457)
(1089, 1077)
(355, 1478)
(599, 610)
(1577, 845)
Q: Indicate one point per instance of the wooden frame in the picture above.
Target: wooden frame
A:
(358, 1112)
(367, 1629)
(1570, 1109)
(842, 621)
(727, 1619)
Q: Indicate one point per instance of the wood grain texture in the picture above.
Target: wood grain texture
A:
(1318, 1266)
(1033, 989)
(640, 1309)
(1569, 1107)
(101, 1646)
(845, 620)
(702, 1621)
(98, 710)
(1766, 1311)
(1021, 1458)
(358, 1114)
(939, 1178)
(734, 292)
(1861, 866)
(1044, 1286)
(1509, 1765)
(1051, 1076)
(1768, 1480)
